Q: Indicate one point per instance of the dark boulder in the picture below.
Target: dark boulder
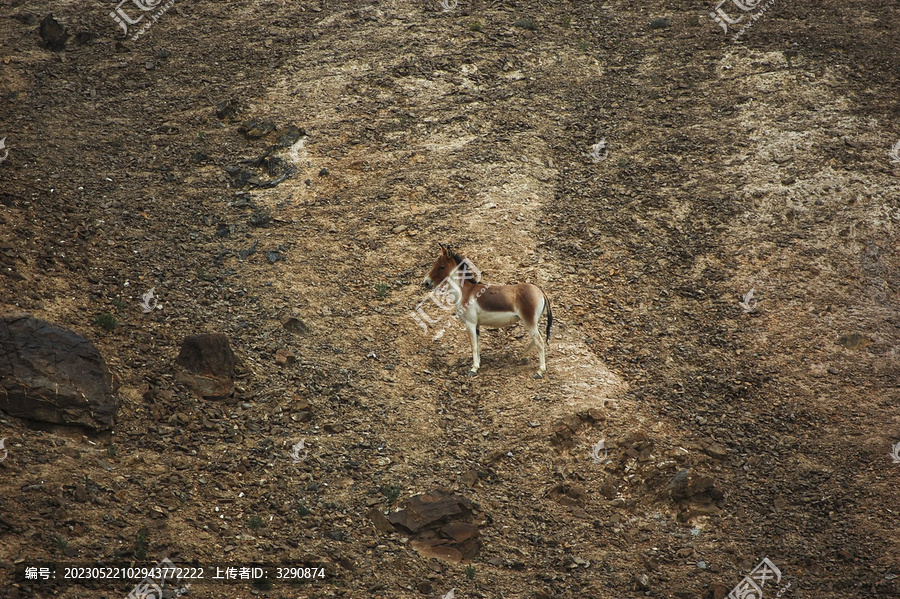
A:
(52, 374)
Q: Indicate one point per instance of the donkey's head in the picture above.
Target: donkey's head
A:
(443, 266)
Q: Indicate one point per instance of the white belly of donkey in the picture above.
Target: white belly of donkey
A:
(497, 319)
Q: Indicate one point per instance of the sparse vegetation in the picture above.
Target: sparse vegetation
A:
(381, 289)
(105, 321)
(475, 26)
(255, 522)
(140, 544)
(392, 493)
(528, 24)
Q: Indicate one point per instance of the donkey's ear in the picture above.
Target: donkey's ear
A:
(445, 250)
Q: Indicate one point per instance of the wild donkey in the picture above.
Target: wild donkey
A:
(493, 306)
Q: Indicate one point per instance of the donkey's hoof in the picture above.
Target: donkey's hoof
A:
(472, 373)
(538, 375)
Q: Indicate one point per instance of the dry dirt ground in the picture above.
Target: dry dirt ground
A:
(761, 163)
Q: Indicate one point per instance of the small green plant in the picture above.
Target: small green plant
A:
(255, 522)
(61, 542)
(303, 510)
(475, 26)
(140, 544)
(112, 451)
(105, 320)
(392, 493)
(528, 24)
(381, 289)
(205, 276)
(470, 572)
(566, 22)
(119, 303)
(660, 23)
(583, 45)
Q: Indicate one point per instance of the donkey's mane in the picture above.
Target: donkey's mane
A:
(456, 257)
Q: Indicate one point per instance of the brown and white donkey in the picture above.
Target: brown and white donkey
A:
(493, 306)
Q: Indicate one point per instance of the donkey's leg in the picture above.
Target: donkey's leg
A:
(474, 333)
(537, 340)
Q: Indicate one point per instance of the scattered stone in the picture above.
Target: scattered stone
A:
(380, 520)
(228, 109)
(53, 34)
(442, 525)
(273, 256)
(695, 511)
(277, 166)
(610, 487)
(260, 218)
(642, 582)
(81, 495)
(686, 484)
(855, 341)
(26, 18)
(256, 128)
(210, 362)
(424, 587)
(571, 495)
(323, 171)
(51, 374)
(661, 23)
(285, 357)
(246, 253)
(716, 450)
(289, 136)
(333, 428)
(594, 415)
(85, 37)
(294, 325)
(564, 431)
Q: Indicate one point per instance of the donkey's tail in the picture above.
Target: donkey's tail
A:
(549, 316)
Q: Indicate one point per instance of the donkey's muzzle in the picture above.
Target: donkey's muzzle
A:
(427, 284)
